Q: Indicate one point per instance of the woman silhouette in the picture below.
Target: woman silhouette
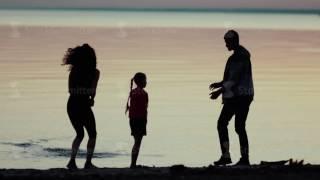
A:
(83, 80)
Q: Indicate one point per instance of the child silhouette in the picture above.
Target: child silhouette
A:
(137, 105)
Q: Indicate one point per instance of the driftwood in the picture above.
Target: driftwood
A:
(289, 162)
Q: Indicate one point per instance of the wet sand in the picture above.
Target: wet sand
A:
(309, 172)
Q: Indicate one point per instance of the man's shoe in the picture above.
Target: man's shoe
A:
(89, 165)
(243, 162)
(223, 161)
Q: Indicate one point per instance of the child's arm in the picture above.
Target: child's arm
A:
(128, 102)
(147, 104)
(147, 100)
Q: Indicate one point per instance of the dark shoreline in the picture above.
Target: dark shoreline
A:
(260, 172)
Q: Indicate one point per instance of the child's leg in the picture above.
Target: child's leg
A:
(135, 150)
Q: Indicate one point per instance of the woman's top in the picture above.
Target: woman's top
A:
(83, 83)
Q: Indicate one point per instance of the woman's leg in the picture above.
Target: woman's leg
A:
(90, 150)
(75, 147)
(90, 126)
(135, 150)
(76, 143)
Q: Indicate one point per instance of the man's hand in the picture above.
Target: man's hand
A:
(215, 94)
(215, 85)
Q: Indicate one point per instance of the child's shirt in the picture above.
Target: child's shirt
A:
(138, 104)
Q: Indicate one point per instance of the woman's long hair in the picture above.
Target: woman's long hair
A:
(82, 58)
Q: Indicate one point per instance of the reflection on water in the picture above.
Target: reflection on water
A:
(37, 149)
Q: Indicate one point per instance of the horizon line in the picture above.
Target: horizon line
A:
(225, 10)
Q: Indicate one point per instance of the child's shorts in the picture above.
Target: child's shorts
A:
(138, 127)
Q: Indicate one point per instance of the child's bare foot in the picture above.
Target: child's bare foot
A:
(72, 165)
(89, 165)
(138, 166)
(133, 166)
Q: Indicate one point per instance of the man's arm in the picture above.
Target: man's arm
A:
(215, 85)
(215, 94)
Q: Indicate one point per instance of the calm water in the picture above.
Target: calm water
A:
(181, 53)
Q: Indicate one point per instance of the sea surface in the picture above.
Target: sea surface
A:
(182, 53)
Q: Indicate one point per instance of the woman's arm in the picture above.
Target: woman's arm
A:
(95, 84)
(71, 83)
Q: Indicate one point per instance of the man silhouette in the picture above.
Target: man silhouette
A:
(237, 94)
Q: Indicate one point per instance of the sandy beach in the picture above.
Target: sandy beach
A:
(310, 172)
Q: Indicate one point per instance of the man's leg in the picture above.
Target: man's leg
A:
(240, 127)
(225, 116)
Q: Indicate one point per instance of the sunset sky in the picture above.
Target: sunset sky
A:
(283, 4)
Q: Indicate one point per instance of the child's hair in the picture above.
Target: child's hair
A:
(139, 79)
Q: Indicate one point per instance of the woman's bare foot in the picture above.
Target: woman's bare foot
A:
(72, 165)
